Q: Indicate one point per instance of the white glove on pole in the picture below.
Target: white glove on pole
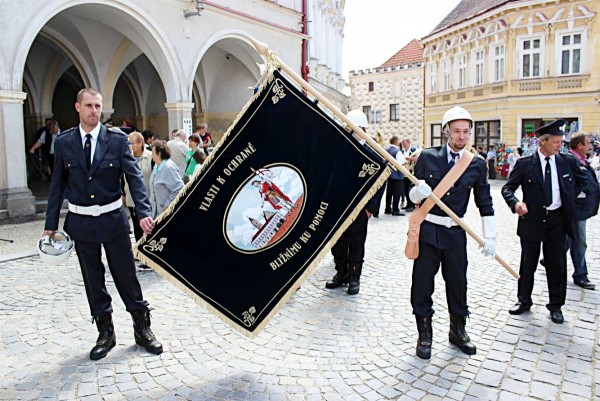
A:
(419, 192)
(489, 235)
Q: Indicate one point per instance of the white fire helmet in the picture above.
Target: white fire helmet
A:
(358, 117)
(456, 113)
(55, 249)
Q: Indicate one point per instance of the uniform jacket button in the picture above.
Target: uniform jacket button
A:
(92, 196)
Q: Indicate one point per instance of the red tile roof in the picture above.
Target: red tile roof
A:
(411, 53)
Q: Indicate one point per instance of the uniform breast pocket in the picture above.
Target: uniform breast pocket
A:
(70, 164)
(529, 181)
(432, 177)
(110, 164)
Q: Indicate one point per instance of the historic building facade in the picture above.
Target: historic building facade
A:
(515, 65)
(161, 64)
(392, 95)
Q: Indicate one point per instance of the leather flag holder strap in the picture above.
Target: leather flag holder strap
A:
(416, 218)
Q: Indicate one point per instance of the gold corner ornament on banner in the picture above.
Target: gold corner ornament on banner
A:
(265, 52)
(268, 213)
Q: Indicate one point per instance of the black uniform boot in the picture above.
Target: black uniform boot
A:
(142, 332)
(341, 277)
(459, 337)
(425, 337)
(106, 339)
(354, 271)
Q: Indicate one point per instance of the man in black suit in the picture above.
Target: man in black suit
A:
(89, 163)
(441, 240)
(549, 181)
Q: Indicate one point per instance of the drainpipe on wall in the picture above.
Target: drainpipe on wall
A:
(304, 69)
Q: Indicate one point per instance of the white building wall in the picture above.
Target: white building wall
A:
(402, 85)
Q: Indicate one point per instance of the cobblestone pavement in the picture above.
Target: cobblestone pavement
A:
(323, 345)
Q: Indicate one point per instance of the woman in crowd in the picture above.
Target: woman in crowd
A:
(143, 158)
(165, 181)
(195, 156)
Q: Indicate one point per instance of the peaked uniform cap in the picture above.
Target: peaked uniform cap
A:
(553, 128)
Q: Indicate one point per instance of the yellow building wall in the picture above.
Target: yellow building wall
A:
(550, 96)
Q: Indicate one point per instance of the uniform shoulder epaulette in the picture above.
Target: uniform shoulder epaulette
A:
(114, 130)
(67, 131)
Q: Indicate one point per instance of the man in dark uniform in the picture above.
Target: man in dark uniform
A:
(90, 161)
(349, 250)
(441, 240)
(549, 181)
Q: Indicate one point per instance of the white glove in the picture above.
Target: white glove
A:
(489, 234)
(419, 192)
(489, 248)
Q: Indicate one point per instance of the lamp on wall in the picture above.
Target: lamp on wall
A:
(199, 9)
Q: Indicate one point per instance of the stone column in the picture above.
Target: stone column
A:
(15, 196)
(177, 112)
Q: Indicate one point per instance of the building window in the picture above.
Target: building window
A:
(498, 63)
(531, 58)
(367, 111)
(397, 88)
(478, 59)
(371, 86)
(437, 138)
(462, 71)
(394, 112)
(446, 75)
(432, 78)
(487, 133)
(570, 53)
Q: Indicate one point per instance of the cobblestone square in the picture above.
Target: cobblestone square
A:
(323, 345)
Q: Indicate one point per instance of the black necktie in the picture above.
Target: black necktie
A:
(548, 182)
(87, 150)
(453, 155)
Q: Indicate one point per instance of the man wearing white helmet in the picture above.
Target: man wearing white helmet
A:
(442, 241)
(349, 250)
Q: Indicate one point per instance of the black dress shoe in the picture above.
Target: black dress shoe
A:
(398, 214)
(409, 209)
(585, 283)
(519, 308)
(557, 317)
(388, 212)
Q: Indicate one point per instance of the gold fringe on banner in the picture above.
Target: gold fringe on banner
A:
(264, 82)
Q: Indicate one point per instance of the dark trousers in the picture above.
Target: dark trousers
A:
(555, 260)
(491, 170)
(50, 162)
(122, 268)
(407, 185)
(378, 197)
(351, 245)
(392, 195)
(137, 230)
(454, 270)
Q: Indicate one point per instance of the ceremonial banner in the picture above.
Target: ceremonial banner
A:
(266, 206)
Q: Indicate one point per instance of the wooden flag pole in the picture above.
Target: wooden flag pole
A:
(263, 49)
